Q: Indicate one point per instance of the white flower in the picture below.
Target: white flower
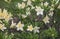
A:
(46, 19)
(30, 28)
(12, 34)
(36, 29)
(42, 4)
(2, 14)
(29, 2)
(39, 10)
(51, 9)
(54, 21)
(19, 26)
(21, 5)
(32, 7)
(46, 4)
(2, 27)
(28, 13)
(38, 13)
(24, 16)
(51, 13)
(52, 5)
(8, 17)
(28, 9)
(5, 15)
(13, 24)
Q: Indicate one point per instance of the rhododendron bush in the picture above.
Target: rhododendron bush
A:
(29, 19)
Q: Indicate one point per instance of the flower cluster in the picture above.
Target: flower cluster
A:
(29, 14)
